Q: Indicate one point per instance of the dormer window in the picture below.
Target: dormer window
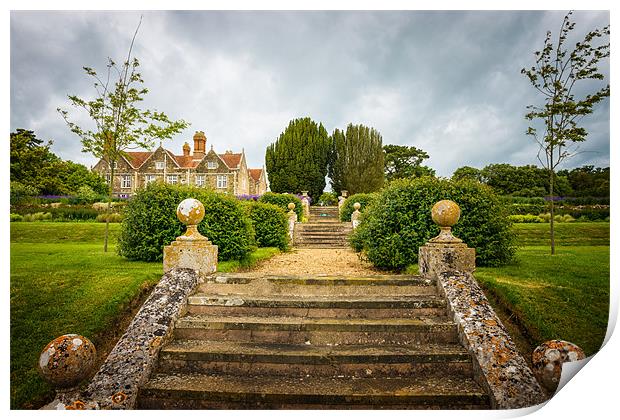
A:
(211, 164)
(159, 165)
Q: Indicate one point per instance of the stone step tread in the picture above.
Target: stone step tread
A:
(302, 353)
(294, 323)
(326, 280)
(319, 301)
(425, 389)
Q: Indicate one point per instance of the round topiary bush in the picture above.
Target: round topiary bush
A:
(270, 224)
(347, 207)
(399, 222)
(150, 222)
(282, 200)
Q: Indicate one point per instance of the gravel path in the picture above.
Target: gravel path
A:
(316, 261)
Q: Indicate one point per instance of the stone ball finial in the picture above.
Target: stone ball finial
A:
(547, 360)
(446, 213)
(190, 211)
(357, 206)
(67, 360)
(291, 206)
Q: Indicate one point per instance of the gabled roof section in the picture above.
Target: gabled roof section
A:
(231, 160)
(255, 174)
(136, 159)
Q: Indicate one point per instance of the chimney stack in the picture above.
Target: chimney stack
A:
(200, 141)
(186, 149)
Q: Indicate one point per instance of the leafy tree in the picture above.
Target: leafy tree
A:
(40, 171)
(118, 122)
(356, 162)
(588, 181)
(554, 75)
(467, 172)
(405, 162)
(297, 160)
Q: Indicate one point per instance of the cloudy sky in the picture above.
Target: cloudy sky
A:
(446, 82)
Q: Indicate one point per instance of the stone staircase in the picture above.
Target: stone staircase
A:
(323, 230)
(314, 343)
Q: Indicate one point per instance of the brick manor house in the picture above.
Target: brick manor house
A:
(227, 172)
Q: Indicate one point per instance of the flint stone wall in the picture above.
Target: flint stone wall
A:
(130, 363)
(499, 367)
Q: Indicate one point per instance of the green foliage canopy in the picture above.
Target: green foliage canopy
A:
(297, 161)
(405, 162)
(270, 224)
(399, 222)
(150, 222)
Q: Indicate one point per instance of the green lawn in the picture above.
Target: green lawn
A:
(564, 296)
(62, 282)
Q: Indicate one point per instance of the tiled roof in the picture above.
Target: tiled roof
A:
(231, 159)
(255, 174)
(136, 159)
(186, 161)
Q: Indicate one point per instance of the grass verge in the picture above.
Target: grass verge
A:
(62, 282)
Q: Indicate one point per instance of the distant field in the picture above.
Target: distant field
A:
(574, 234)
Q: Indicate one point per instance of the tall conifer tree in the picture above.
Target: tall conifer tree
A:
(297, 160)
(356, 160)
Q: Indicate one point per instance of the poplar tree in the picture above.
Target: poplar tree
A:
(356, 162)
(297, 160)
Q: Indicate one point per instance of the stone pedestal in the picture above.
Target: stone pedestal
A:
(355, 216)
(292, 219)
(191, 250)
(434, 259)
(305, 203)
(445, 252)
(200, 256)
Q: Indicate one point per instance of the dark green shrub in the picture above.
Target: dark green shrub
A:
(347, 207)
(399, 222)
(150, 222)
(282, 200)
(527, 208)
(270, 224)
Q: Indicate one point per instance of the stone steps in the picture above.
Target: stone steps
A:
(314, 342)
(320, 331)
(317, 306)
(197, 391)
(252, 359)
(322, 232)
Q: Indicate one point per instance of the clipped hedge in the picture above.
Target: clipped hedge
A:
(525, 218)
(347, 207)
(270, 224)
(282, 200)
(62, 213)
(150, 222)
(399, 222)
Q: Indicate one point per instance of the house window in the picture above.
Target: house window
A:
(149, 178)
(173, 179)
(108, 177)
(211, 164)
(200, 180)
(222, 181)
(113, 165)
(159, 165)
(126, 181)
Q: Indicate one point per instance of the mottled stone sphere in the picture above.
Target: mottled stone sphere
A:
(291, 206)
(446, 213)
(547, 360)
(357, 206)
(67, 360)
(190, 211)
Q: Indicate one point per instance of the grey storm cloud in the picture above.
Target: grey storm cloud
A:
(447, 82)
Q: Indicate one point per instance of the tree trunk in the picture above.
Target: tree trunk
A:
(551, 221)
(108, 210)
